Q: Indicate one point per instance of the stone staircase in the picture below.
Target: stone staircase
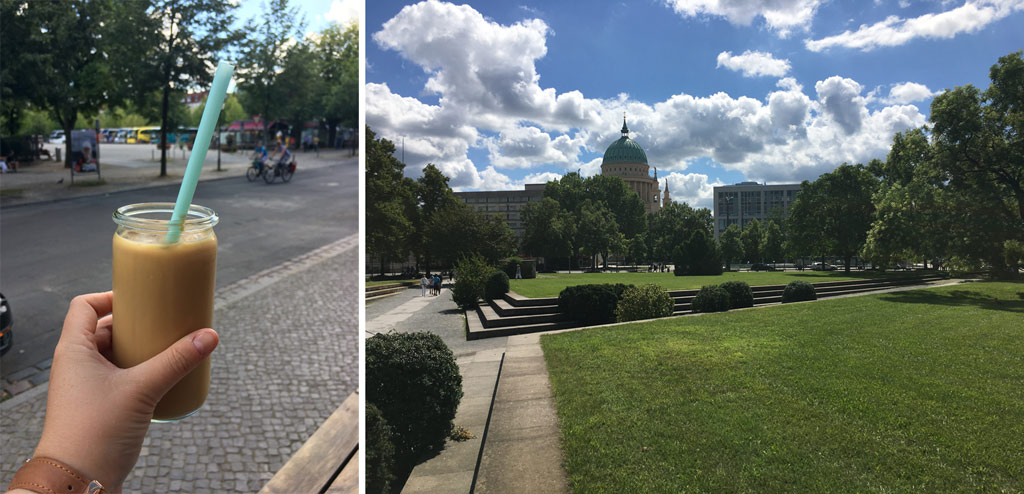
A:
(378, 292)
(514, 314)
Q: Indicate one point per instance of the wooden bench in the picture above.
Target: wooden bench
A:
(329, 461)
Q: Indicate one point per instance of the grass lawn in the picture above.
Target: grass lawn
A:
(389, 282)
(910, 391)
(550, 285)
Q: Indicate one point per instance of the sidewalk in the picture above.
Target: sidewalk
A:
(288, 357)
(132, 166)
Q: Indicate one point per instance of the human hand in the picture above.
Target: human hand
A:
(97, 414)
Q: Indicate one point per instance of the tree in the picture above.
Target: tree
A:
(338, 50)
(598, 232)
(771, 245)
(67, 56)
(261, 60)
(300, 97)
(731, 245)
(673, 225)
(833, 213)
(192, 34)
(387, 226)
(697, 256)
(751, 239)
(469, 233)
(432, 195)
(548, 229)
(625, 204)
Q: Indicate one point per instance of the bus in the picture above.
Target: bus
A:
(131, 135)
(148, 135)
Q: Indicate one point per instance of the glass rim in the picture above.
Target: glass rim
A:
(197, 218)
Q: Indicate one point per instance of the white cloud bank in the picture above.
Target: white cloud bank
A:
(754, 63)
(344, 11)
(909, 92)
(781, 16)
(972, 16)
(490, 100)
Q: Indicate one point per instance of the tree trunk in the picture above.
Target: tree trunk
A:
(848, 258)
(163, 127)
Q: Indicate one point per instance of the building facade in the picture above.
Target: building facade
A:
(506, 204)
(627, 160)
(739, 204)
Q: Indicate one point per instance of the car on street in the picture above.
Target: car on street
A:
(757, 266)
(822, 266)
(56, 137)
(6, 323)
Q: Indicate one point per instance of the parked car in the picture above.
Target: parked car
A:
(761, 267)
(56, 137)
(6, 323)
(822, 266)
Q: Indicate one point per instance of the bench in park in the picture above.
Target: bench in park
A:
(329, 461)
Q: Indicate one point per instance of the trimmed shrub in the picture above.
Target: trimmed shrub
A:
(740, 294)
(496, 286)
(644, 302)
(380, 453)
(470, 275)
(414, 381)
(711, 298)
(591, 304)
(798, 291)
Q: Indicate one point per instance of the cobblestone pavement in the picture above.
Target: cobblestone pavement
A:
(288, 357)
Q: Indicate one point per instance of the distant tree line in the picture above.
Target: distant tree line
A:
(66, 60)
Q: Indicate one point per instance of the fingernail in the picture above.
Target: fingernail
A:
(203, 341)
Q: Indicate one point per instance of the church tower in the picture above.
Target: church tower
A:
(627, 160)
(665, 199)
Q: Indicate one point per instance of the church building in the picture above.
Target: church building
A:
(627, 160)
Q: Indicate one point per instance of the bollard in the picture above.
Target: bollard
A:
(56, 156)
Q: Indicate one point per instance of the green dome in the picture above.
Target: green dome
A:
(624, 150)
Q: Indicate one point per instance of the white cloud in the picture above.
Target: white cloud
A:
(785, 135)
(972, 16)
(781, 16)
(909, 92)
(344, 11)
(754, 63)
(691, 188)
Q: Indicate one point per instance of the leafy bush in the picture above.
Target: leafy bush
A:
(380, 453)
(414, 381)
(798, 291)
(740, 294)
(591, 304)
(698, 256)
(470, 275)
(496, 286)
(712, 298)
(644, 302)
(511, 264)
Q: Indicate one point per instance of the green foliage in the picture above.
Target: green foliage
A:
(798, 291)
(771, 245)
(598, 232)
(644, 302)
(387, 199)
(591, 304)
(698, 256)
(380, 453)
(414, 381)
(550, 231)
(467, 232)
(496, 285)
(1013, 251)
(731, 245)
(710, 298)
(674, 226)
(740, 294)
(752, 237)
(338, 64)
(511, 264)
(471, 274)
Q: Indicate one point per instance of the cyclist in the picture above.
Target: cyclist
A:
(259, 156)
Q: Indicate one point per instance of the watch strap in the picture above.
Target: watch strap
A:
(49, 476)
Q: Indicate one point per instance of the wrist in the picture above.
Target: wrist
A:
(88, 466)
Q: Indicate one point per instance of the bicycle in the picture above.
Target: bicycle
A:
(255, 171)
(285, 171)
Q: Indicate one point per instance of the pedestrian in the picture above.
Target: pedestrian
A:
(437, 284)
(519, 272)
(97, 414)
(423, 286)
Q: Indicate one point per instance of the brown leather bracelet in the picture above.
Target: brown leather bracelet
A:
(49, 476)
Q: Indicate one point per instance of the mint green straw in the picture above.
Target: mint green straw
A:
(218, 91)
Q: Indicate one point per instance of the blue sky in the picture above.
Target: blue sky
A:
(318, 13)
(498, 94)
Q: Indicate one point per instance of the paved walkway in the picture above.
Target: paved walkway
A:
(131, 166)
(288, 357)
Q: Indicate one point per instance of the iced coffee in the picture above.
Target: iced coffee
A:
(163, 291)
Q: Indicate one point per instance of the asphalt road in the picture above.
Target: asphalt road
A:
(52, 252)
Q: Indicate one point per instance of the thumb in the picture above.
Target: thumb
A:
(160, 373)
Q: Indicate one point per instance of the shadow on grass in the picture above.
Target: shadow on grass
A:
(956, 298)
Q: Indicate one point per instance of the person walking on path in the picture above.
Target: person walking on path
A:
(519, 272)
(423, 286)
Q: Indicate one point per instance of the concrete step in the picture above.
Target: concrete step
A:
(377, 296)
(517, 300)
(491, 319)
(505, 309)
(390, 286)
(477, 331)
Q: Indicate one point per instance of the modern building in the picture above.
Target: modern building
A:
(506, 204)
(627, 160)
(739, 204)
